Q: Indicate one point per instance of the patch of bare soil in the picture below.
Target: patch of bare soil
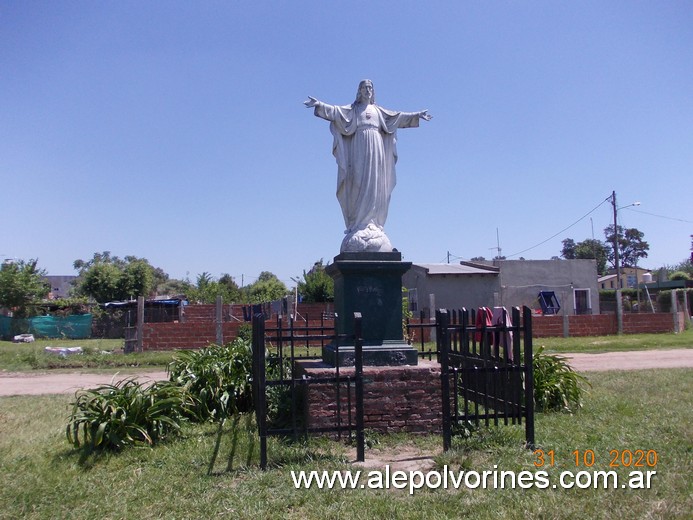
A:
(404, 458)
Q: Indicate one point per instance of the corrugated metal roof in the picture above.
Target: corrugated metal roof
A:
(457, 269)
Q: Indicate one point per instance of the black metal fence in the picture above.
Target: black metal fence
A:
(486, 369)
(275, 353)
(420, 334)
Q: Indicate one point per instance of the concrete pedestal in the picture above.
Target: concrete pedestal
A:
(370, 283)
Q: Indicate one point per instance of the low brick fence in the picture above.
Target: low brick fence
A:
(199, 328)
(606, 324)
(190, 335)
(198, 334)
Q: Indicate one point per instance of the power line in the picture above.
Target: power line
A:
(662, 216)
(564, 229)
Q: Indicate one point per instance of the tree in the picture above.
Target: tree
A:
(173, 287)
(568, 251)
(207, 289)
(22, 284)
(110, 278)
(317, 286)
(266, 288)
(101, 282)
(586, 250)
(631, 246)
(685, 266)
(227, 281)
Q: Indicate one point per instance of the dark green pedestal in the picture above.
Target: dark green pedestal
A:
(370, 283)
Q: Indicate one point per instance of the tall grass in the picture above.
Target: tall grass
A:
(43, 476)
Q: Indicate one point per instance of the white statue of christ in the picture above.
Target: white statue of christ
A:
(365, 146)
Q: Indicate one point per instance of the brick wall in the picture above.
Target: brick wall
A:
(190, 335)
(204, 312)
(199, 329)
(404, 398)
(604, 324)
(231, 312)
(199, 333)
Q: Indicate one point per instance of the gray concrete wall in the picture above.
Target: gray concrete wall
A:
(518, 284)
(452, 291)
(522, 280)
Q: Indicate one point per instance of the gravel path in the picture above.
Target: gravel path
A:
(37, 383)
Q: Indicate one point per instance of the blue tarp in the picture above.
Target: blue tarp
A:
(77, 326)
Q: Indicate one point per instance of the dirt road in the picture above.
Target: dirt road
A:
(36, 383)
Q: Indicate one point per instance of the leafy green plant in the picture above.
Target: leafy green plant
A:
(317, 285)
(556, 385)
(21, 285)
(217, 378)
(279, 400)
(407, 314)
(125, 413)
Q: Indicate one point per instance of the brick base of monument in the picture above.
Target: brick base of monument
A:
(395, 399)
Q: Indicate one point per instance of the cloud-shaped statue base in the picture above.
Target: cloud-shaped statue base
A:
(371, 239)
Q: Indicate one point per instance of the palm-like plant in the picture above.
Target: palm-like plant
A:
(124, 413)
(556, 385)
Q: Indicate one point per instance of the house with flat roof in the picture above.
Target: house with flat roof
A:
(505, 283)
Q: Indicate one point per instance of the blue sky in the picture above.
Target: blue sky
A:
(175, 131)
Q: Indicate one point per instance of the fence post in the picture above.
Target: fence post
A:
(619, 310)
(529, 378)
(358, 365)
(219, 321)
(140, 323)
(675, 311)
(443, 340)
(259, 390)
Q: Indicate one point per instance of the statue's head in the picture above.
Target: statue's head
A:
(365, 91)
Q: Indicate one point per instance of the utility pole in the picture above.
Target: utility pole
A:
(616, 251)
(619, 302)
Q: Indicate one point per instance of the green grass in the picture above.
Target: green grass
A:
(98, 354)
(615, 343)
(44, 477)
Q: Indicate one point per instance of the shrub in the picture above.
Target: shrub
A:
(217, 378)
(126, 413)
(556, 385)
